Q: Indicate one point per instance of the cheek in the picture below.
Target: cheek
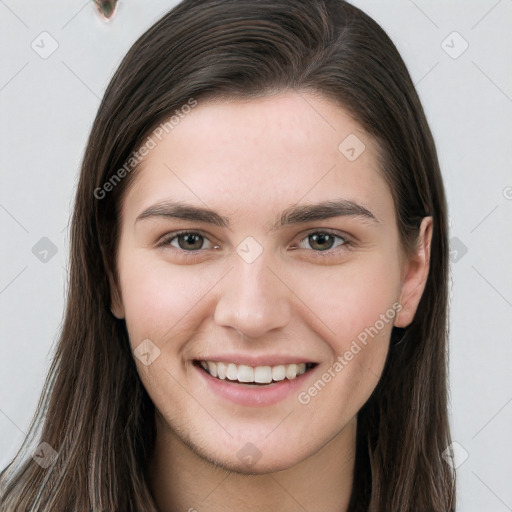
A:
(359, 305)
(158, 297)
(353, 298)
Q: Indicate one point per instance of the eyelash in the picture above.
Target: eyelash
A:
(346, 245)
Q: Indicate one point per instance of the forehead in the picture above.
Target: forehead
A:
(242, 156)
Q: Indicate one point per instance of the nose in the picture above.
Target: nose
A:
(254, 299)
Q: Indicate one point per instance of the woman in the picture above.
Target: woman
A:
(257, 308)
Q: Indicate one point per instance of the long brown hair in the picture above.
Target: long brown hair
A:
(94, 411)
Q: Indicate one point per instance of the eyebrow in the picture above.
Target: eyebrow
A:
(294, 214)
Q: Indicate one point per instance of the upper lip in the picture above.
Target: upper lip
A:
(256, 360)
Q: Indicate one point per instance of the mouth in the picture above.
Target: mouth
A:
(254, 375)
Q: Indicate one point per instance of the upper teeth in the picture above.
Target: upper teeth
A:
(259, 374)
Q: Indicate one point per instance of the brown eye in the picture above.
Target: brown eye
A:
(323, 241)
(186, 241)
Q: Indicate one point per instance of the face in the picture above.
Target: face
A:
(260, 275)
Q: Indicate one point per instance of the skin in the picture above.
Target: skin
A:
(249, 160)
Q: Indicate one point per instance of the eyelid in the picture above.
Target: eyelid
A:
(166, 239)
(347, 240)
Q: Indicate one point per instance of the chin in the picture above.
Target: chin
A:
(258, 458)
(246, 467)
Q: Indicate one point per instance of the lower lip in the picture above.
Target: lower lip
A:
(254, 396)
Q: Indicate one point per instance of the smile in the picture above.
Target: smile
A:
(254, 375)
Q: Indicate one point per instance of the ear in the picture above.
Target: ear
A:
(116, 302)
(415, 273)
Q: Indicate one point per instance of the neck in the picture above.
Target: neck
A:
(181, 480)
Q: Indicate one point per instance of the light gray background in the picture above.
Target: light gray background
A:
(47, 108)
